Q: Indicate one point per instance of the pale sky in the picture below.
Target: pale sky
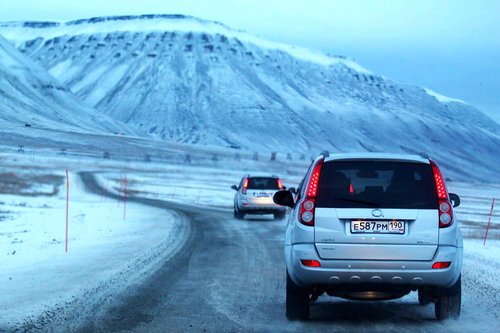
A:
(450, 46)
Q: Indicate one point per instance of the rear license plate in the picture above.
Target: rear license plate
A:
(378, 227)
(262, 195)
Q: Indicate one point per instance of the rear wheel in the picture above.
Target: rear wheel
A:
(449, 301)
(238, 215)
(297, 301)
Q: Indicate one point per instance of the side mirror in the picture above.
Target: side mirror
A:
(284, 198)
(455, 199)
(234, 187)
(293, 190)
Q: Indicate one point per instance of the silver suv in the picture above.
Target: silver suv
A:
(372, 226)
(254, 195)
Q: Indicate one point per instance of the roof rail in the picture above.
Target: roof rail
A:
(325, 153)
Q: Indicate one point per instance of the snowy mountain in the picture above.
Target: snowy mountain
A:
(29, 96)
(188, 80)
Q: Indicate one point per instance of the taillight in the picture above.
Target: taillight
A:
(441, 264)
(280, 184)
(310, 263)
(445, 209)
(245, 186)
(306, 209)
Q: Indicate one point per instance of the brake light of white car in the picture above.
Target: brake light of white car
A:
(445, 210)
(280, 184)
(306, 210)
(245, 186)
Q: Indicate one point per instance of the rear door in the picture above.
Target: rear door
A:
(261, 190)
(376, 210)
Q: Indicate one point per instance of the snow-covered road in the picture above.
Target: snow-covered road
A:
(231, 278)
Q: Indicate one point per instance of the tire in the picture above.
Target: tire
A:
(297, 301)
(449, 301)
(279, 216)
(238, 215)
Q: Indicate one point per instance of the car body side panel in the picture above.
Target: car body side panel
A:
(296, 232)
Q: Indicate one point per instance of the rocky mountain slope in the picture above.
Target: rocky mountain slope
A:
(30, 97)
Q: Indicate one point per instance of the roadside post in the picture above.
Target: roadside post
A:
(67, 208)
(489, 221)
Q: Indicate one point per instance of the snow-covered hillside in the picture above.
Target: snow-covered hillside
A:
(31, 97)
(189, 80)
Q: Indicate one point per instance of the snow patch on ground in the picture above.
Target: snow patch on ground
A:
(36, 271)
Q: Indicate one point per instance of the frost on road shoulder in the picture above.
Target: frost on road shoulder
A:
(37, 274)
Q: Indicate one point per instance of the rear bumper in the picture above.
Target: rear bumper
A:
(341, 272)
(260, 206)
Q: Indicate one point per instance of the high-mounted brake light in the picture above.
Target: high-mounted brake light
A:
(438, 179)
(445, 209)
(280, 184)
(306, 208)
(245, 186)
(312, 187)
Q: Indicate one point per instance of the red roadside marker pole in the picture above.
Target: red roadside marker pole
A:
(67, 208)
(489, 221)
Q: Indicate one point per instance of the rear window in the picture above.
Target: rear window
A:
(375, 184)
(263, 183)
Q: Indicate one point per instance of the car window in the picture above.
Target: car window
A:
(369, 184)
(263, 183)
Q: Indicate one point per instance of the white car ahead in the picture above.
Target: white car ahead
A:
(254, 195)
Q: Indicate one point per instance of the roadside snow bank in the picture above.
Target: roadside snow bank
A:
(37, 275)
